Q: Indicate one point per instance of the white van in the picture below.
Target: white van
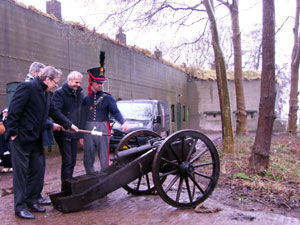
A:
(140, 114)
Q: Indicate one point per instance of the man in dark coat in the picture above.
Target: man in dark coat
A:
(68, 99)
(27, 115)
(35, 70)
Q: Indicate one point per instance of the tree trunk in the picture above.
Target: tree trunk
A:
(241, 114)
(293, 109)
(227, 131)
(259, 159)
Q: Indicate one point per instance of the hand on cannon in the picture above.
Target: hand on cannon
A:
(125, 126)
(74, 128)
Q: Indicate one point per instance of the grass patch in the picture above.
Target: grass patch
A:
(241, 176)
(281, 180)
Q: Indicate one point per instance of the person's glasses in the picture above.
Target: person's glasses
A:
(55, 82)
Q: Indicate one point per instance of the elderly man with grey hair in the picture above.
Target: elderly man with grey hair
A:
(68, 99)
(34, 70)
(27, 115)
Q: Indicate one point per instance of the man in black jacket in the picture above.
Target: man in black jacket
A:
(68, 99)
(35, 70)
(27, 115)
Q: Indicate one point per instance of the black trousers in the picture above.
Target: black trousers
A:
(6, 161)
(43, 170)
(28, 160)
(68, 151)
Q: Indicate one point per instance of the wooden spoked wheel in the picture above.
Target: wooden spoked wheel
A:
(186, 169)
(144, 184)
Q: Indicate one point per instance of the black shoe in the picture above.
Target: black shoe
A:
(25, 214)
(43, 201)
(36, 208)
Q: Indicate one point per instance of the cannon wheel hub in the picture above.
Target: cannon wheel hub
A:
(186, 168)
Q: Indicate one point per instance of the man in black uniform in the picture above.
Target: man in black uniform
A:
(27, 115)
(96, 108)
(68, 99)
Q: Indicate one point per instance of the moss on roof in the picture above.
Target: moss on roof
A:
(32, 8)
(201, 74)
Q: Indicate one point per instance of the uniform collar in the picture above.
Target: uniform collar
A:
(99, 93)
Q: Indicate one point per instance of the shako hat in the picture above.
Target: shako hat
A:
(97, 74)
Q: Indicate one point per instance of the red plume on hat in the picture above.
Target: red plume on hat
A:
(97, 74)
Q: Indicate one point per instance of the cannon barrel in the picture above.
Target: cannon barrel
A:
(136, 151)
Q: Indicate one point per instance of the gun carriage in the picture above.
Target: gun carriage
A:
(185, 169)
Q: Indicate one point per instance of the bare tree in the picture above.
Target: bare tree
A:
(252, 49)
(259, 159)
(241, 121)
(184, 16)
(195, 52)
(198, 53)
(283, 91)
(295, 60)
(227, 132)
(185, 23)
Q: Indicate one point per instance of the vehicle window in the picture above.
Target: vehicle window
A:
(156, 109)
(135, 110)
(163, 116)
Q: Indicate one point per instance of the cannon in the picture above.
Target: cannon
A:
(185, 169)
